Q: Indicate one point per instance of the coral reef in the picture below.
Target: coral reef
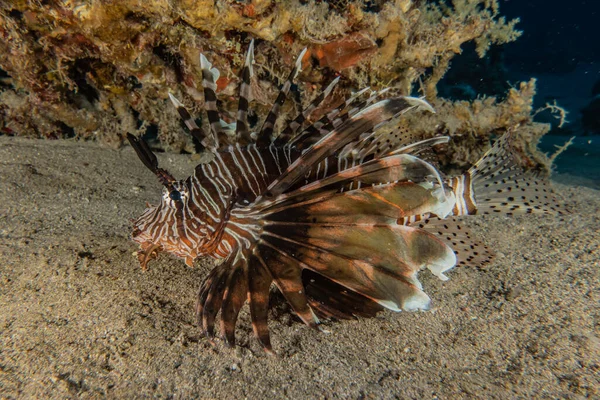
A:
(104, 68)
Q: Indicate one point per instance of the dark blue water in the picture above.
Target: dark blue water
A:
(560, 47)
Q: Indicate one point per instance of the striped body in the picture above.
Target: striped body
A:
(201, 225)
(462, 188)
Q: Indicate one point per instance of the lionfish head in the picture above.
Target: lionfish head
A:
(165, 227)
(158, 228)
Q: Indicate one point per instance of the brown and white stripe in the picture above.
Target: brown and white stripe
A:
(462, 188)
(266, 132)
(245, 97)
(209, 77)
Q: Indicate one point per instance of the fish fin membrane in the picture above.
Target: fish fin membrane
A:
(501, 186)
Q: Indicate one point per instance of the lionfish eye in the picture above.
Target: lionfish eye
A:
(175, 195)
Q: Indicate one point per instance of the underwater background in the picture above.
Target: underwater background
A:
(560, 47)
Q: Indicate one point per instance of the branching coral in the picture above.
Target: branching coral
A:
(103, 68)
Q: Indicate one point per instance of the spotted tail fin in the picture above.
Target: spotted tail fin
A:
(497, 184)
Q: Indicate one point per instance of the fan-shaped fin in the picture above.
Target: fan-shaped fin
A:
(379, 262)
(332, 300)
(266, 132)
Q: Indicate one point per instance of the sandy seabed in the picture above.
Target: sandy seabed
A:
(78, 317)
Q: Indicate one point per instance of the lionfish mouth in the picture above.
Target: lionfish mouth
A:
(148, 249)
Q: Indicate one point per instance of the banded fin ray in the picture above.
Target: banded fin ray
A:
(242, 129)
(266, 131)
(297, 123)
(259, 283)
(235, 294)
(198, 134)
(149, 159)
(332, 119)
(211, 295)
(210, 75)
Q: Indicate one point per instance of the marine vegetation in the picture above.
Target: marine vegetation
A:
(101, 69)
(337, 215)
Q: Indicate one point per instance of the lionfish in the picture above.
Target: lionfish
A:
(339, 219)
